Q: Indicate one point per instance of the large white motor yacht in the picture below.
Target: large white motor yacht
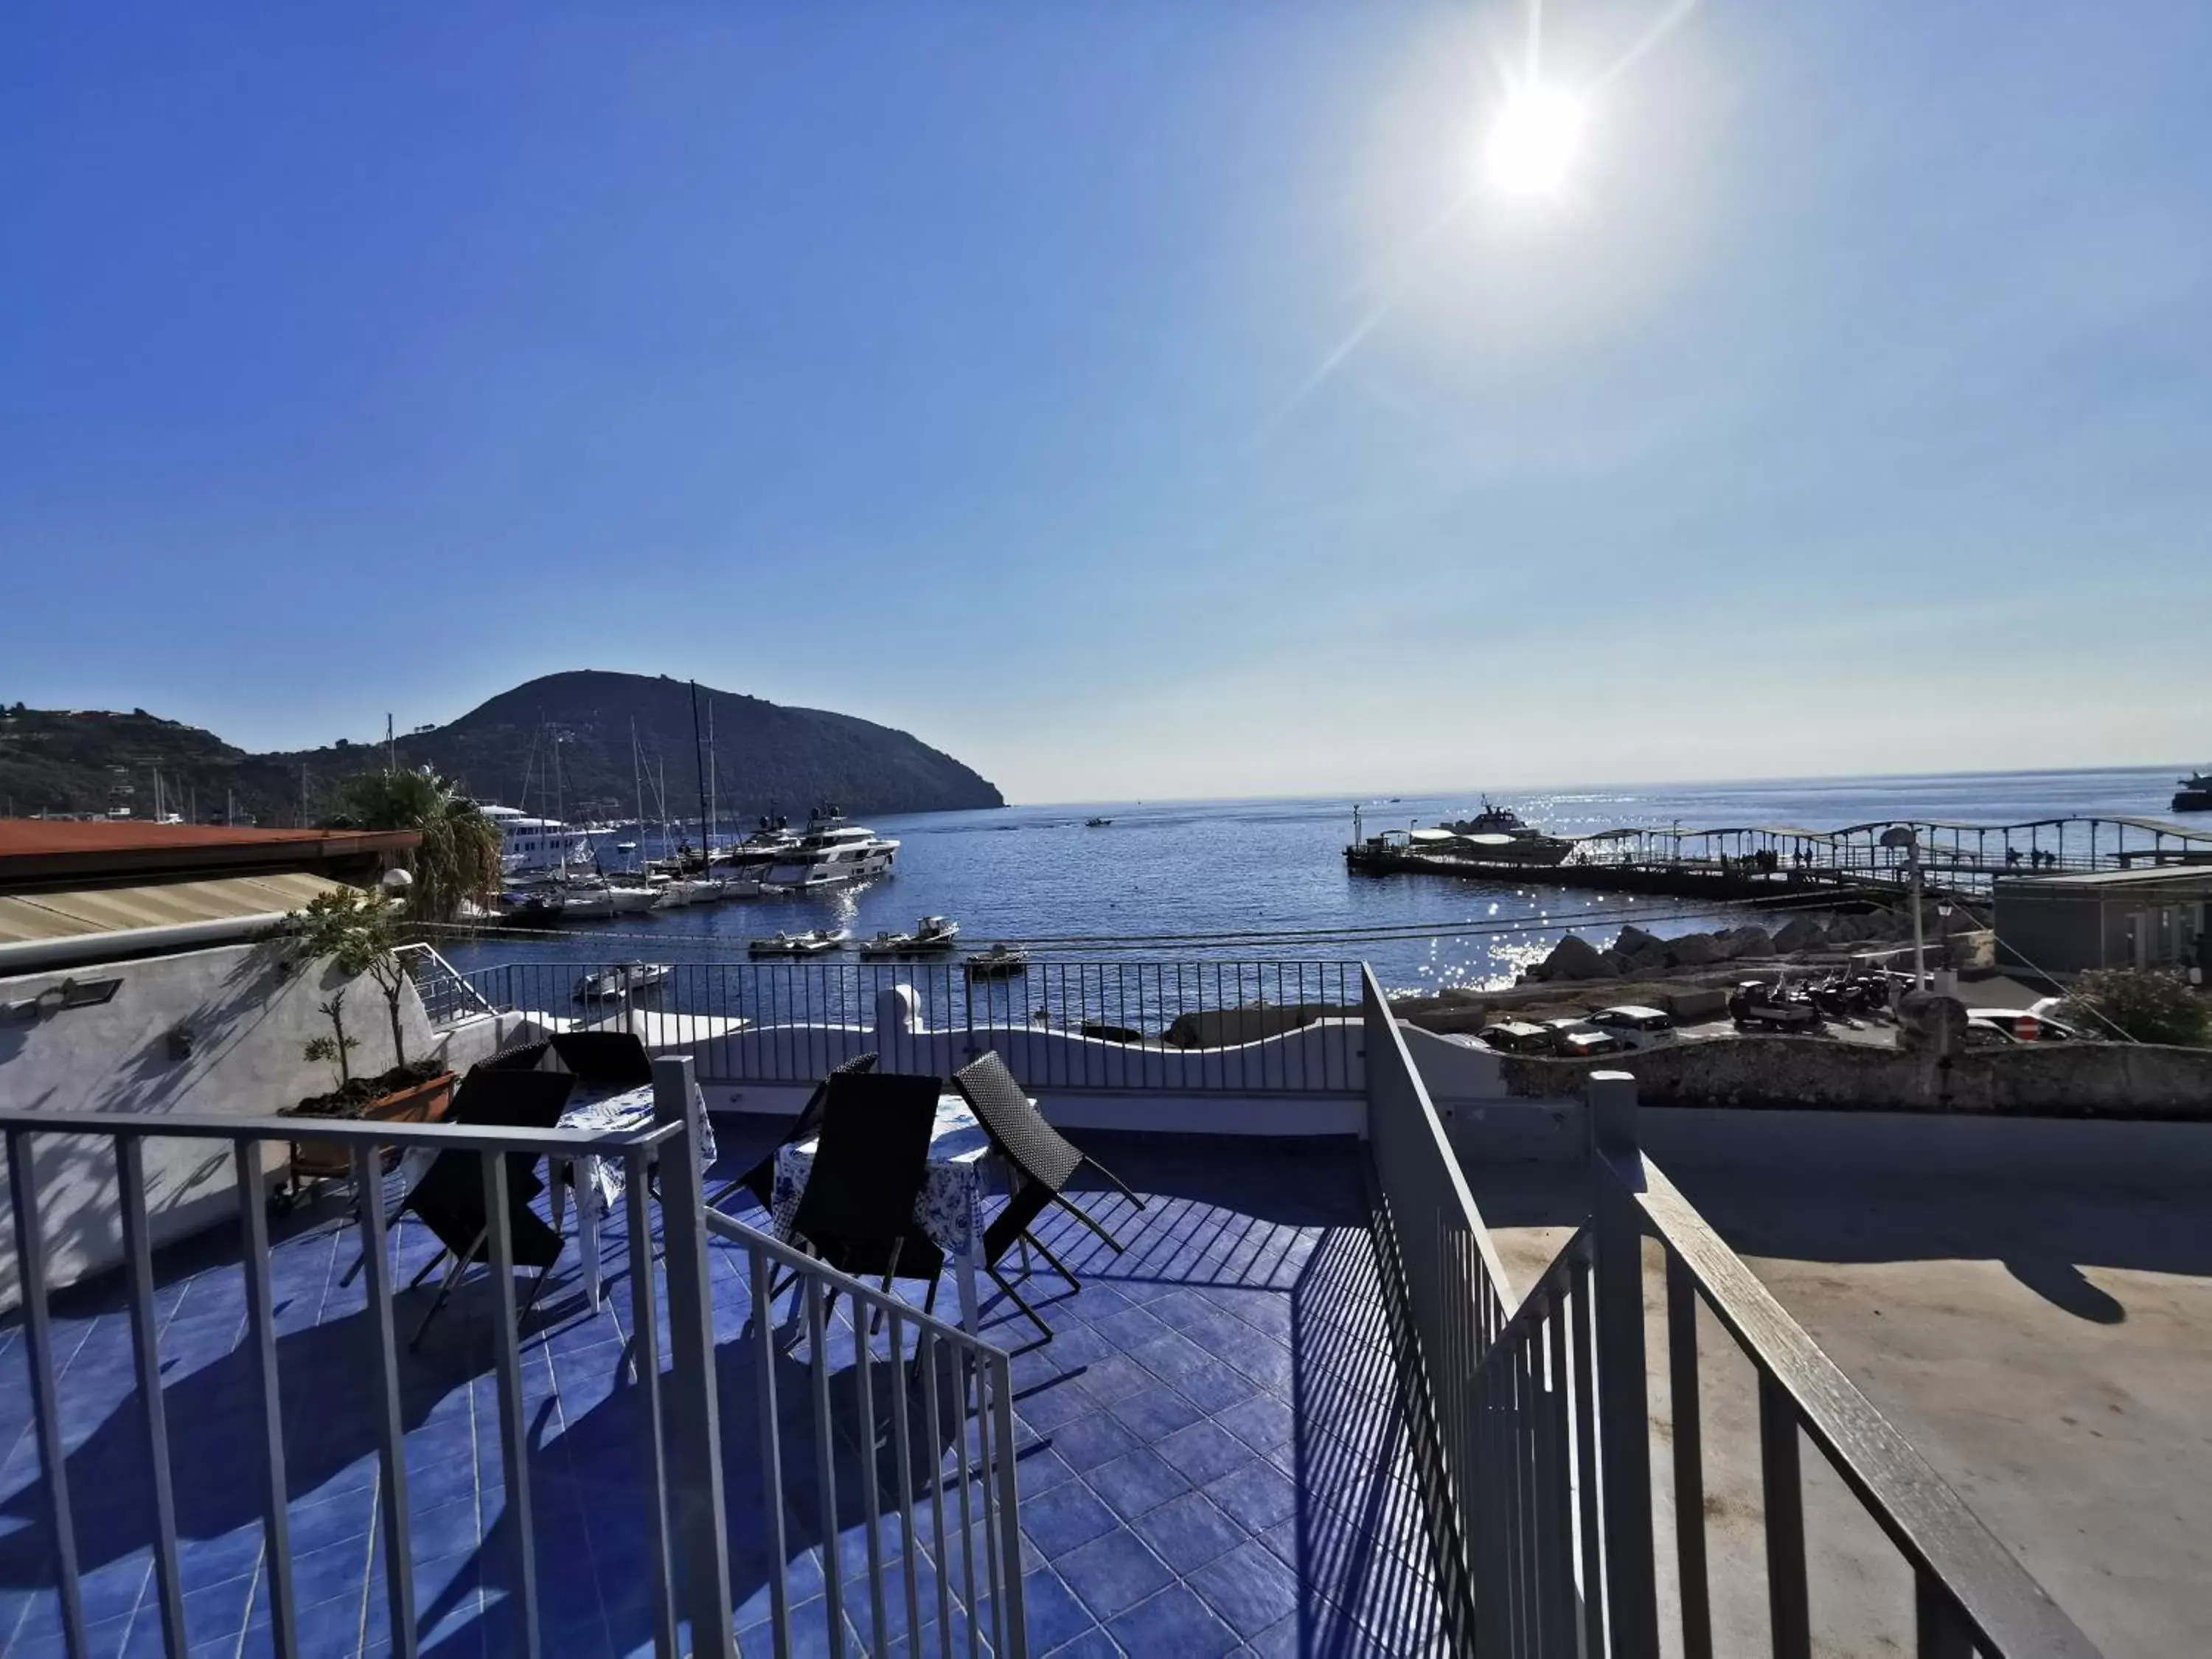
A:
(530, 846)
(832, 853)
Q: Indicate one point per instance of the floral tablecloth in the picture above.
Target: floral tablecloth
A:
(630, 1108)
(601, 1182)
(950, 1208)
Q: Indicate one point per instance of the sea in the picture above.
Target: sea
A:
(1190, 881)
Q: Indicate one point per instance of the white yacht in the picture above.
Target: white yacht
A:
(832, 853)
(530, 846)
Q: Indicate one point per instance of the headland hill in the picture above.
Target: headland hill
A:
(765, 756)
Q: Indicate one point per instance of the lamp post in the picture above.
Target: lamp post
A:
(1901, 836)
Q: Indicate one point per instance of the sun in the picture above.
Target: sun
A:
(1533, 142)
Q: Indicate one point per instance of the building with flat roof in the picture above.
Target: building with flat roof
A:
(2149, 917)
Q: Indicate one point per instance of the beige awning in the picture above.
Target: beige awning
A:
(26, 918)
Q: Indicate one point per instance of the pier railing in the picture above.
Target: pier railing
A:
(1173, 1027)
(1539, 1417)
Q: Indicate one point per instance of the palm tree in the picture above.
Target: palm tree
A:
(458, 858)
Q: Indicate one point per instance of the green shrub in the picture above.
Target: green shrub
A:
(2149, 1005)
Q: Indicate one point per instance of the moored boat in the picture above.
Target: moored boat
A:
(800, 945)
(831, 854)
(627, 979)
(1001, 961)
(2195, 794)
(931, 935)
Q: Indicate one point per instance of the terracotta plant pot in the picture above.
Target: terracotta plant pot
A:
(419, 1103)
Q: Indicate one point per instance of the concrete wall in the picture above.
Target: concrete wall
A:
(2064, 1080)
(250, 1009)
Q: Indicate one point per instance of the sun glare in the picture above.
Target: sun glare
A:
(1534, 141)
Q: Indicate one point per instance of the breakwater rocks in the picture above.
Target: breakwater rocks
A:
(1638, 954)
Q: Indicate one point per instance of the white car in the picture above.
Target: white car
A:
(2024, 1025)
(1637, 1027)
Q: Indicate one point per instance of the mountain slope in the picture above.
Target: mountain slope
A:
(765, 756)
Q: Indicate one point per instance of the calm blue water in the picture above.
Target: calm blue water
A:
(1169, 880)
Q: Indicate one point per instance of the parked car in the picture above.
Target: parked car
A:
(1583, 1042)
(1514, 1036)
(1573, 1037)
(1637, 1027)
(2025, 1025)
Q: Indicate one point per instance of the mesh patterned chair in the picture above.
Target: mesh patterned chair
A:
(604, 1060)
(1041, 1162)
(760, 1180)
(856, 1214)
(529, 1057)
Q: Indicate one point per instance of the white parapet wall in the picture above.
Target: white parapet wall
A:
(1311, 1080)
(211, 1031)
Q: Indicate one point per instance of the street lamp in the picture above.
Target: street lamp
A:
(395, 881)
(1901, 836)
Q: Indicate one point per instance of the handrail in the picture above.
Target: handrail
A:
(992, 1604)
(1556, 1281)
(1375, 1002)
(453, 979)
(351, 1130)
(1548, 1427)
(867, 1295)
(1924, 1517)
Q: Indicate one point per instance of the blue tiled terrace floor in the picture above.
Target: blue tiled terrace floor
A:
(1212, 1457)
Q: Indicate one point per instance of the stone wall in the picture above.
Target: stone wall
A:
(2059, 1079)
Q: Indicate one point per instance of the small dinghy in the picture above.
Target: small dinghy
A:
(1000, 962)
(801, 944)
(931, 935)
(627, 979)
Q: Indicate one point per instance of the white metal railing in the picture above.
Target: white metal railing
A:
(940, 1451)
(1540, 1478)
(679, 1473)
(448, 994)
(1453, 1290)
(1244, 1027)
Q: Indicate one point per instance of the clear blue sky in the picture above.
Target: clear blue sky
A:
(960, 366)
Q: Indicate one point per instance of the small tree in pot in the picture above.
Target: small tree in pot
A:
(358, 933)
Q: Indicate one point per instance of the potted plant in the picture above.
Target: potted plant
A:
(357, 932)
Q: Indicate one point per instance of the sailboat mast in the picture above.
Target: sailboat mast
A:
(637, 784)
(714, 788)
(700, 770)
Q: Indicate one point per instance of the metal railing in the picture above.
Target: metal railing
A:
(668, 1431)
(919, 1429)
(1258, 1027)
(1969, 1595)
(1539, 1470)
(448, 998)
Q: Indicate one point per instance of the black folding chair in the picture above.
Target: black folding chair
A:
(857, 1213)
(604, 1060)
(449, 1199)
(760, 1180)
(529, 1057)
(1041, 1162)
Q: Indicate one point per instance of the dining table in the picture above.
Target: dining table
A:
(600, 1180)
(948, 1209)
